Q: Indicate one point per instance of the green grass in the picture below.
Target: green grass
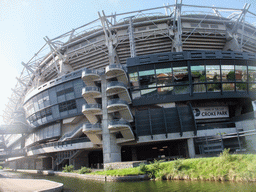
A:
(224, 168)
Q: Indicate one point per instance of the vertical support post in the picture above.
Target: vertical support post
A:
(207, 143)
(131, 38)
(150, 123)
(191, 148)
(165, 123)
(111, 150)
(238, 138)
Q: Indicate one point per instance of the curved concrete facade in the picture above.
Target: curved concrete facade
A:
(143, 88)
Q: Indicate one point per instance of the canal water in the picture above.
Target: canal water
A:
(79, 185)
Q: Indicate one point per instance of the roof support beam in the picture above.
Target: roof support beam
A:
(177, 28)
(110, 38)
(21, 82)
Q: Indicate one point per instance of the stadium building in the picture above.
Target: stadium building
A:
(176, 81)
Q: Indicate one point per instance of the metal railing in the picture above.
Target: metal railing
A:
(118, 122)
(116, 83)
(91, 106)
(117, 101)
(90, 71)
(91, 88)
(92, 126)
(59, 143)
(69, 134)
(116, 66)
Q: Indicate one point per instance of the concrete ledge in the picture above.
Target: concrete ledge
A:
(103, 177)
(40, 185)
(88, 177)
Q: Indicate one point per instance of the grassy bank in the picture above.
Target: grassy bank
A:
(224, 168)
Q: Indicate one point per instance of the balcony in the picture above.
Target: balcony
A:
(90, 111)
(119, 88)
(116, 70)
(92, 128)
(118, 125)
(91, 92)
(122, 107)
(93, 132)
(122, 126)
(90, 75)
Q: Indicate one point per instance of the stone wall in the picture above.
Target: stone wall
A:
(122, 165)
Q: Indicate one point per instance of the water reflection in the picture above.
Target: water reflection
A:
(79, 185)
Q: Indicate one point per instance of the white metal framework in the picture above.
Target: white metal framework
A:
(114, 38)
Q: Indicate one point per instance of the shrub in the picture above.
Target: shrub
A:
(143, 168)
(1, 167)
(84, 170)
(177, 165)
(225, 155)
(68, 168)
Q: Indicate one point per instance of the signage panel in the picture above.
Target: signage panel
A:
(211, 112)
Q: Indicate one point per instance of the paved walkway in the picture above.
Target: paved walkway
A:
(13, 185)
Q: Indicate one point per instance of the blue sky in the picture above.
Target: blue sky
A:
(24, 23)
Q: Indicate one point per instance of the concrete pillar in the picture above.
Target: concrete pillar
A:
(191, 148)
(111, 150)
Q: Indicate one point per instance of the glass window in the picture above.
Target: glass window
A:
(35, 104)
(148, 92)
(213, 87)
(199, 88)
(147, 78)
(252, 73)
(134, 79)
(165, 90)
(241, 73)
(164, 76)
(180, 74)
(135, 94)
(181, 90)
(228, 86)
(252, 87)
(213, 73)
(198, 73)
(241, 86)
(228, 73)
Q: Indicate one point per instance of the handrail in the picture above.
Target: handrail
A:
(69, 134)
(57, 143)
(117, 101)
(119, 66)
(118, 122)
(90, 71)
(88, 106)
(91, 126)
(91, 88)
(116, 83)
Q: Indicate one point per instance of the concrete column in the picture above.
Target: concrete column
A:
(191, 148)
(111, 150)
